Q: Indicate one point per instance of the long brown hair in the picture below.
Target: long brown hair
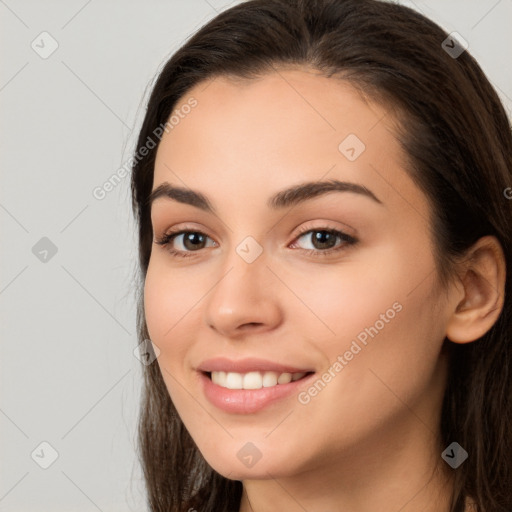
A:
(457, 138)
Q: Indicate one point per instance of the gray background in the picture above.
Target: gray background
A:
(68, 373)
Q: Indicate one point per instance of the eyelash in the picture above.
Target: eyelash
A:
(349, 241)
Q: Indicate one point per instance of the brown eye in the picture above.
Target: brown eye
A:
(323, 241)
(188, 242)
(193, 240)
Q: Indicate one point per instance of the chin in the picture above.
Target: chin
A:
(241, 467)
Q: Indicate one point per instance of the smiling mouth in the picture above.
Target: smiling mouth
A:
(253, 380)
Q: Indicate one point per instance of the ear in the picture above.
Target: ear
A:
(482, 275)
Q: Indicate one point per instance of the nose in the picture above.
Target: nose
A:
(245, 299)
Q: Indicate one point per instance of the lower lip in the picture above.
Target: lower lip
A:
(247, 401)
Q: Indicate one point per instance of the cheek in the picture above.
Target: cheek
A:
(169, 298)
(344, 301)
(168, 307)
(379, 289)
(165, 308)
(155, 300)
(380, 318)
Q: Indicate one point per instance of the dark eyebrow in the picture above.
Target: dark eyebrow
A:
(282, 199)
(305, 191)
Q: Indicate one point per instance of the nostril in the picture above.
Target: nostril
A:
(251, 324)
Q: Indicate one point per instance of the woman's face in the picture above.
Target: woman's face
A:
(340, 283)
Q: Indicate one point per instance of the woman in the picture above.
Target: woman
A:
(324, 237)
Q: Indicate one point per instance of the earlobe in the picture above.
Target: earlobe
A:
(483, 279)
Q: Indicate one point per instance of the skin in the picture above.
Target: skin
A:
(370, 439)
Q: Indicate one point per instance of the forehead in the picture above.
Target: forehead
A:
(279, 129)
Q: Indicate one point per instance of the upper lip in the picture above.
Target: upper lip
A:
(251, 364)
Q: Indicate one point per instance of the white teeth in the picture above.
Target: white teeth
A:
(269, 379)
(284, 378)
(253, 380)
(234, 381)
(219, 378)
